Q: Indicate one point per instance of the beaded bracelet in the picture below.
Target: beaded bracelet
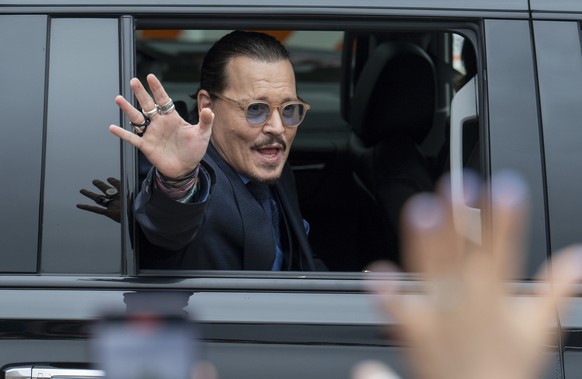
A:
(190, 194)
(172, 181)
(178, 188)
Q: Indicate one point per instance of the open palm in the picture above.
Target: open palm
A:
(171, 144)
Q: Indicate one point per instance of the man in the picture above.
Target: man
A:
(220, 194)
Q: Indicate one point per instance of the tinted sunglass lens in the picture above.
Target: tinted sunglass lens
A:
(257, 113)
(293, 114)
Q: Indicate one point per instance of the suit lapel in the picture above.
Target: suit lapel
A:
(258, 242)
(298, 237)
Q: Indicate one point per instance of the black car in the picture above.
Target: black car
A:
(402, 93)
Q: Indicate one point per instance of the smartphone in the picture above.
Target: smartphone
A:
(145, 346)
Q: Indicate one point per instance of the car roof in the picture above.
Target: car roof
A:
(168, 6)
(556, 5)
(321, 7)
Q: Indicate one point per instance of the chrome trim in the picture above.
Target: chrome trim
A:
(24, 372)
(52, 372)
(45, 372)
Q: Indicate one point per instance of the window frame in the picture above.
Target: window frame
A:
(470, 28)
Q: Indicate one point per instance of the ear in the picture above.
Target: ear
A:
(204, 100)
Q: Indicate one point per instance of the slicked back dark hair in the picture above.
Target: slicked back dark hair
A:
(257, 46)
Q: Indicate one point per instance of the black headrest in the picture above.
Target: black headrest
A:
(395, 93)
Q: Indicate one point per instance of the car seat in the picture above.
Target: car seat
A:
(392, 110)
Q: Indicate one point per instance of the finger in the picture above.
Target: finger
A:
(385, 288)
(461, 200)
(101, 185)
(394, 306)
(378, 280)
(126, 135)
(509, 196)
(413, 220)
(444, 247)
(204, 370)
(114, 182)
(383, 266)
(565, 270)
(144, 99)
(387, 300)
(160, 95)
(206, 119)
(89, 194)
(129, 110)
(430, 243)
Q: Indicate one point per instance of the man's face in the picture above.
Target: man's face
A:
(258, 152)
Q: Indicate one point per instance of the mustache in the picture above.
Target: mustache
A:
(271, 140)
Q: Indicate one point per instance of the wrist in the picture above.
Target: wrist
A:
(178, 188)
(178, 180)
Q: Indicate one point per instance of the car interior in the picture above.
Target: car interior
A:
(379, 130)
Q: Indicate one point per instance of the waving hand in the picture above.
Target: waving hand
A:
(171, 144)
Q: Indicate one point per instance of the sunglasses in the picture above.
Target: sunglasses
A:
(258, 112)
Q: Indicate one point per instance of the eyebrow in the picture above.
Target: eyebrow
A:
(263, 98)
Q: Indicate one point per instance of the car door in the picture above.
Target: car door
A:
(254, 324)
(559, 57)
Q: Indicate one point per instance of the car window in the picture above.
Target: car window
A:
(78, 146)
(57, 96)
(513, 124)
(560, 77)
(348, 227)
(22, 94)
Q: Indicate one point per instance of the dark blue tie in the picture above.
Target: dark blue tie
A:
(263, 194)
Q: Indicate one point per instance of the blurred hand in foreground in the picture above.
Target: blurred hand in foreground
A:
(467, 326)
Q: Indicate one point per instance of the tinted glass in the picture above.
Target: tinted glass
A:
(514, 126)
(560, 75)
(83, 81)
(22, 91)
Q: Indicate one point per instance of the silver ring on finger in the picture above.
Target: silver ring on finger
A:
(167, 108)
(140, 129)
(152, 113)
(103, 200)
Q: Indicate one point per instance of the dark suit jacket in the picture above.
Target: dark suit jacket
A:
(229, 231)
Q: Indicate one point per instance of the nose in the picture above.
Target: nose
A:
(274, 124)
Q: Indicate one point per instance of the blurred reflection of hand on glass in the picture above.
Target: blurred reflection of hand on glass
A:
(468, 324)
(108, 201)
